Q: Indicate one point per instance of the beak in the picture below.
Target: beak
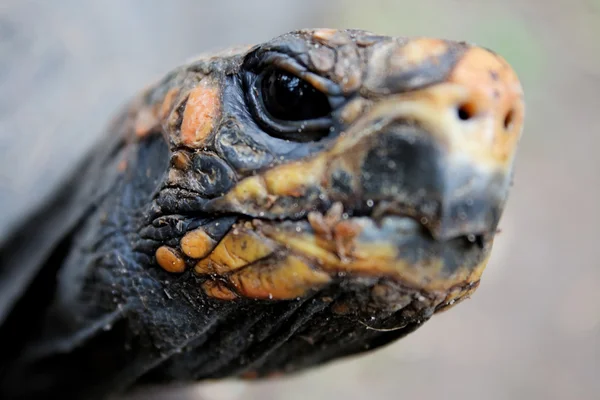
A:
(408, 172)
(444, 154)
(412, 173)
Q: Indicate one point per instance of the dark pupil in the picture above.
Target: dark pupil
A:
(288, 97)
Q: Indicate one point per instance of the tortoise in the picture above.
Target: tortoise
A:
(263, 210)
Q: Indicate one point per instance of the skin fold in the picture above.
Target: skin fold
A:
(264, 210)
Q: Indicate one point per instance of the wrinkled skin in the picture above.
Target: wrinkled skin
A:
(226, 227)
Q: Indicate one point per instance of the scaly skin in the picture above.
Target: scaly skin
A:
(205, 238)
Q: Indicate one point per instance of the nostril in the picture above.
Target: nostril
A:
(466, 111)
(508, 119)
(469, 241)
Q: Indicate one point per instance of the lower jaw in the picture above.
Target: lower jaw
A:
(284, 260)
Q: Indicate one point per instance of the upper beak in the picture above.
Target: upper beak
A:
(409, 172)
(443, 154)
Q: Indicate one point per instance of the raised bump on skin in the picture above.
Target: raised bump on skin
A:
(145, 122)
(282, 280)
(236, 250)
(417, 51)
(201, 111)
(170, 260)
(331, 37)
(293, 179)
(197, 244)
(285, 180)
(180, 160)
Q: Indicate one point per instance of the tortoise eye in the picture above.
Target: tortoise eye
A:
(289, 107)
(288, 97)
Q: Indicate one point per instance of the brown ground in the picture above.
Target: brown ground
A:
(532, 330)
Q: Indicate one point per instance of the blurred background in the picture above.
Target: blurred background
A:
(531, 331)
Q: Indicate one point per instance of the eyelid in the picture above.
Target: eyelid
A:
(323, 85)
(290, 64)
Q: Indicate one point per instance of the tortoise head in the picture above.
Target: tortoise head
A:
(312, 197)
(365, 170)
